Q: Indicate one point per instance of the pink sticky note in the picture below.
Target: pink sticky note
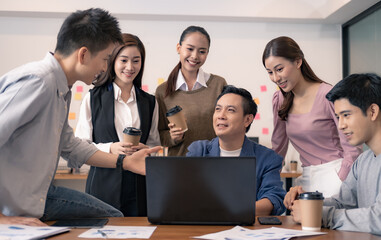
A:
(79, 88)
(265, 131)
(145, 88)
(257, 116)
(263, 88)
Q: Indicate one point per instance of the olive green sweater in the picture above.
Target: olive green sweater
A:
(198, 107)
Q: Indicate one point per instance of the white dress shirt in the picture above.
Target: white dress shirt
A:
(202, 77)
(126, 115)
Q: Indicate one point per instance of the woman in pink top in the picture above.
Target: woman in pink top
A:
(303, 116)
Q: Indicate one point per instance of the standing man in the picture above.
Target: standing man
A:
(34, 132)
(357, 207)
(233, 114)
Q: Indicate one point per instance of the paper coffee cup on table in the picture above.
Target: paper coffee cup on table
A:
(311, 207)
(132, 135)
(293, 166)
(175, 115)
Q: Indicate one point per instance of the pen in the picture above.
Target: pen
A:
(104, 235)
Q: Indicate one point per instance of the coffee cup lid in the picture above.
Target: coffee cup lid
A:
(173, 111)
(293, 161)
(311, 196)
(132, 131)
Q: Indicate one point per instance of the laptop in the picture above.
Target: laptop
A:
(201, 190)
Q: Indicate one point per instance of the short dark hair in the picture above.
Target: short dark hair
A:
(361, 90)
(93, 28)
(248, 104)
(129, 40)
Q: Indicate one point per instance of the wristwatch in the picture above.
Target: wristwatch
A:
(119, 162)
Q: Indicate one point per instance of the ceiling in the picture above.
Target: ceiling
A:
(293, 11)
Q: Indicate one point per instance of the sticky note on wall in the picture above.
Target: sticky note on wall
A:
(265, 131)
(256, 100)
(257, 116)
(145, 88)
(160, 81)
(78, 96)
(71, 115)
(263, 88)
(79, 89)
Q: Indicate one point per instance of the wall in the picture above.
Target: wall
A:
(235, 53)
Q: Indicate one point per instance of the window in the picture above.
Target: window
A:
(362, 42)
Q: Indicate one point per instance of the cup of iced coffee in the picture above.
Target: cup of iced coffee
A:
(311, 207)
(175, 115)
(132, 135)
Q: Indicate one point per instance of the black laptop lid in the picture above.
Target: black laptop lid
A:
(201, 190)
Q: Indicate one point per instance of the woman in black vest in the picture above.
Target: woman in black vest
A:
(117, 101)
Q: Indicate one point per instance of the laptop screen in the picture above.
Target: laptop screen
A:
(201, 190)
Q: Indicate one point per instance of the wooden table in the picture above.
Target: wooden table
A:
(70, 176)
(180, 232)
(289, 176)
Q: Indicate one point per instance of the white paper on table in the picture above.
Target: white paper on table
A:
(119, 232)
(240, 233)
(23, 232)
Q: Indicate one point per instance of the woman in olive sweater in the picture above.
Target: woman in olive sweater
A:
(194, 90)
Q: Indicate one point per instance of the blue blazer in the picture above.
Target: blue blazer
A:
(269, 165)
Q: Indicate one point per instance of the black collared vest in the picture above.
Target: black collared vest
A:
(122, 189)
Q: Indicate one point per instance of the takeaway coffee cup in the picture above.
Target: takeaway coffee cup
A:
(132, 135)
(293, 166)
(176, 116)
(311, 207)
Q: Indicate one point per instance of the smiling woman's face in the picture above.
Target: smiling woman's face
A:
(283, 72)
(193, 51)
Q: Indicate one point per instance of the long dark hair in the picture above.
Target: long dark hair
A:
(287, 48)
(172, 78)
(128, 41)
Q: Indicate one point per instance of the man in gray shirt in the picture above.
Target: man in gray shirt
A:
(357, 207)
(34, 131)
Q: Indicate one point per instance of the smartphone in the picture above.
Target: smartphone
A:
(269, 221)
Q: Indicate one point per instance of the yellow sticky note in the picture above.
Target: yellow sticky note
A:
(78, 96)
(160, 81)
(256, 100)
(71, 115)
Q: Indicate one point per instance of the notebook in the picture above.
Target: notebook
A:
(201, 190)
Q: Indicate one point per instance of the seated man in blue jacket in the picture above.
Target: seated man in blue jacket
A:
(234, 112)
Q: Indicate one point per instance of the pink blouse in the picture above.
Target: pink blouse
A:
(314, 135)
